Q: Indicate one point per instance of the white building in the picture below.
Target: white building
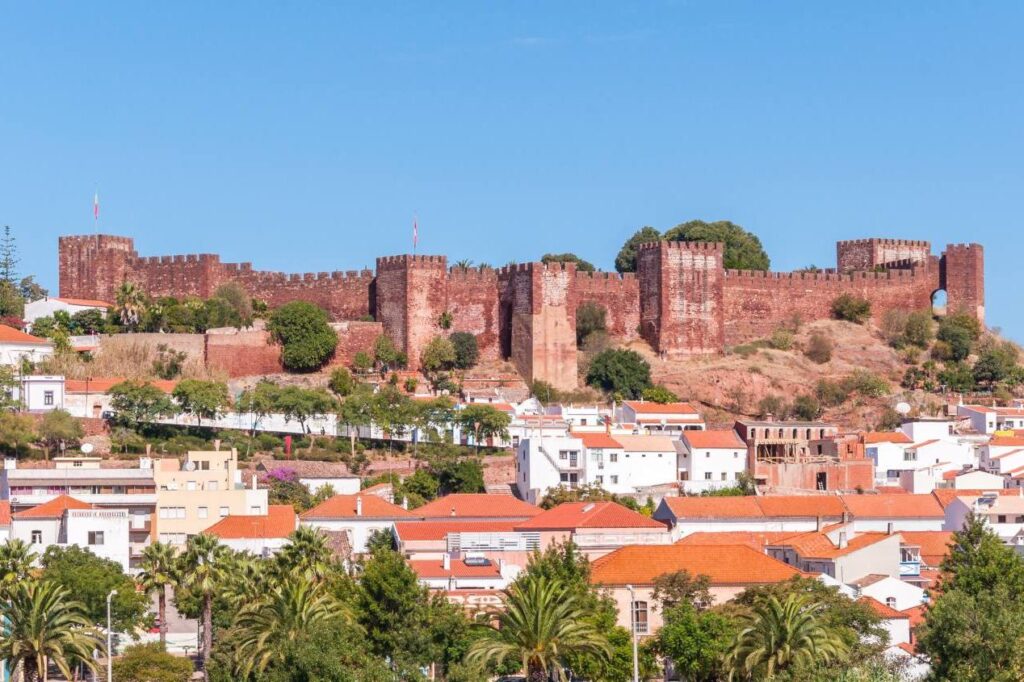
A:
(358, 516)
(1002, 454)
(891, 591)
(888, 451)
(17, 347)
(988, 420)
(47, 306)
(664, 418)
(710, 459)
(1004, 514)
(260, 535)
(65, 521)
(39, 392)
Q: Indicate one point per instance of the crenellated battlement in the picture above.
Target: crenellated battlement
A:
(477, 274)
(706, 247)
(882, 241)
(405, 260)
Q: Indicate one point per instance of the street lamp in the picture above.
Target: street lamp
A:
(110, 640)
(632, 628)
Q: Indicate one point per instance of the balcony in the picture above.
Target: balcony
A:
(909, 569)
(107, 499)
(599, 540)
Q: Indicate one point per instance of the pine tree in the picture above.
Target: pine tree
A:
(8, 257)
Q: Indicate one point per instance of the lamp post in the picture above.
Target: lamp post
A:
(110, 640)
(632, 629)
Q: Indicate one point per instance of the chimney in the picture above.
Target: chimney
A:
(501, 566)
(453, 511)
(405, 502)
(359, 506)
(149, 449)
(254, 481)
(216, 444)
(846, 517)
(820, 523)
(446, 562)
(843, 542)
(890, 528)
(10, 463)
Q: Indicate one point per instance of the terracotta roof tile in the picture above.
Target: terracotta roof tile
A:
(91, 302)
(722, 564)
(816, 545)
(574, 515)
(874, 437)
(647, 444)
(12, 335)
(597, 439)
(425, 531)
(477, 505)
(945, 496)
(279, 522)
(640, 407)
(1006, 441)
(344, 507)
(5, 513)
(806, 506)
(883, 611)
(916, 614)
(714, 440)
(893, 506)
(435, 569)
(891, 490)
(934, 544)
(104, 384)
(714, 507)
(756, 540)
(54, 509)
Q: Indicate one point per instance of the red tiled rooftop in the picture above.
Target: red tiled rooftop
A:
(104, 384)
(5, 513)
(827, 506)
(91, 302)
(11, 335)
(875, 437)
(944, 496)
(279, 522)
(934, 544)
(344, 506)
(574, 515)
(714, 440)
(816, 545)
(425, 531)
(883, 611)
(714, 507)
(893, 506)
(54, 509)
(916, 615)
(642, 407)
(754, 539)
(1006, 441)
(597, 439)
(431, 568)
(477, 505)
(722, 564)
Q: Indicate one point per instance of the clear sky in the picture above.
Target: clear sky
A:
(304, 136)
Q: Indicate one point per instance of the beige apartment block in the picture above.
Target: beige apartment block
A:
(196, 492)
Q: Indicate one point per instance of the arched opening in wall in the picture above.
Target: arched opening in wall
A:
(591, 325)
(939, 302)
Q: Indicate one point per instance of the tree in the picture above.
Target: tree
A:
(90, 321)
(459, 475)
(12, 305)
(202, 568)
(260, 401)
(8, 257)
(306, 337)
(130, 303)
(30, 290)
(201, 398)
(16, 432)
(43, 627)
(806, 408)
(581, 265)
(995, 363)
(625, 261)
(484, 422)
(590, 318)
(438, 356)
(697, 642)
(680, 587)
(957, 376)
(90, 578)
(542, 624)
(851, 308)
(235, 296)
(355, 411)
(743, 250)
(156, 574)
(16, 559)
(958, 333)
(622, 373)
(386, 354)
(783, 635)
(303, 404)
(819, 348)
(584, 493)
(341, 382)
(308, 554)
(466, 351)
(920, 329)
(58, 427)
(151, 663)
(659, 394)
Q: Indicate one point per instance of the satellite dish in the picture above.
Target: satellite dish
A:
(86, 448)
(190, 466)
(903, 408)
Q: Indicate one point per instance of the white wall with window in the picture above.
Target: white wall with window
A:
(709, 461)
(39, 393)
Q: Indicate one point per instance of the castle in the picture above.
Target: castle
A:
(681, 300)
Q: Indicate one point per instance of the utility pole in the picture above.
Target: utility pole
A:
(632, 628)
(110, 640)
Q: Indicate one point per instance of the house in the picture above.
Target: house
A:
(629, 574)
(5, 521)
(357, 516)
(894, 512)
(597, 528)
(988, 420)
(887, 450)
(1004, 514)
(433, 539)
(260, 535)
(469, 573)
(65, 521)
(922, 552)
(194, 493)
(39, 392)
(1003, 454)
(18, 348)
(839, 552)
(708, 460)
(48, 305)
(478, 507)
(788, 513)
(895, 623)
(314, 474)
(973, 479)
(660, 418)
(892, 592)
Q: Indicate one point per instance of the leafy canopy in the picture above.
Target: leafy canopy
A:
(306, 337)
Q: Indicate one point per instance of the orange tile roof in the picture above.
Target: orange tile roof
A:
(433, 568)
(54, 509)
(714, 440)
(883, 611)
(934, 544)
(916, 614)
(891, 490)
(641, 407)
(91, 302)
(596, 439)
(1008, 454)
(104, 384)
(477, 505)
(873, 437)
(422, 531)
(1006, 441)
(574, 515)
(950, 475)
(918, 446)
(801, 506)
(5, 513)
(279, 522)
(714, 507)
(344, 507)
(722, 564)
(816, 545)
(12, 335)
(893, 506)
(753, 539)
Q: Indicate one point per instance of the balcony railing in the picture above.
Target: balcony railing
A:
(910, 568)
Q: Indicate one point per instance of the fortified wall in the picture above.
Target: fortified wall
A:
(682, 300)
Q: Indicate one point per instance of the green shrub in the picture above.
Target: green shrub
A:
(819, 348)
(620, 372)
(782, 339)
(590, 318)
(659, 394)
(831, 393)
(868, 384)
(306, 337)
(806, 408)
(466, 350)
(851, 308)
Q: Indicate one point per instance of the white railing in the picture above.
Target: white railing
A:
(590, 540)
(493, 542)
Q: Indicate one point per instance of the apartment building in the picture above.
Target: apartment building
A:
(65, 521)
(708, 460)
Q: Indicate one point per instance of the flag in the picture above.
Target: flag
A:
(415, 234)
(96, 206)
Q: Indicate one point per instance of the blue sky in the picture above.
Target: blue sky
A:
(304, 136)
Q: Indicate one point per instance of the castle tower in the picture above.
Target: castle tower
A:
(410, 298)
(93, 266)
(868, 254)
(962, 275)
(681, 297)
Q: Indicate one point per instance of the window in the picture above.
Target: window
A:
(47, 397)
(255, 510)
(910, 455)
(95, 537)
(599, 479)
(213, 485)
(640, 617)
(76, 463)
(204, 466)
(563, 454)
(1001, 518)
(890, 602)
(684, 475)
(37, 537)
(707, 455)
(707, 475)
(223, 512)
(725, 476)
(735, 455)
(613, 457)
(615, 479)
(203, 512)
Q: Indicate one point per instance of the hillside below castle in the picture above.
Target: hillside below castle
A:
(681, 301)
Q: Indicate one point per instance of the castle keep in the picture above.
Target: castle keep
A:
(681, 300)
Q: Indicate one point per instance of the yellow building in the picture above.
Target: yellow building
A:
(194, 493)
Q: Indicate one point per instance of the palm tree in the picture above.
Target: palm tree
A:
(131, 302)
(308, 553)
(157, 572)
(44, 626)
(247, 579)
(292, 608)
(543, 623)
(202, 570)
(16, 559)
(780, 635)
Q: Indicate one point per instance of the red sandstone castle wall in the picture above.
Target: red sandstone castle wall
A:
(866, 254)
(473, 301)
(618, 295)
(963, 278)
